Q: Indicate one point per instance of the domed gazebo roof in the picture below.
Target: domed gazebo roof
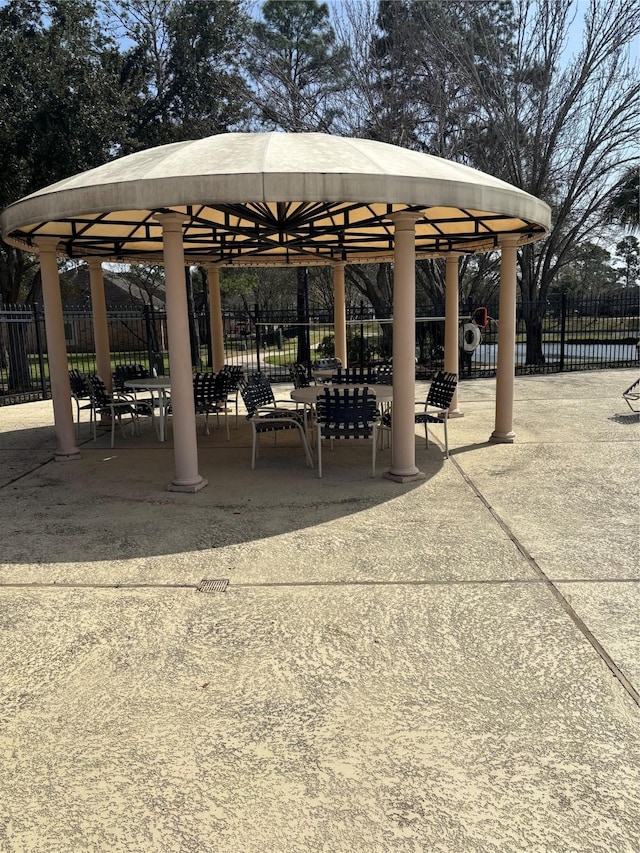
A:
(275, 198)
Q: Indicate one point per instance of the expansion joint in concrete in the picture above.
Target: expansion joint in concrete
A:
(551, 586)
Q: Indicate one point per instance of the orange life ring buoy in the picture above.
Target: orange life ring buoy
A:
(470, 337)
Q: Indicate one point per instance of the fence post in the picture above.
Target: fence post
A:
(361, 334)
(36, 318)
(257, 321)
(563, 327)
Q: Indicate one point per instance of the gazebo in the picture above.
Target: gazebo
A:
(276, 199)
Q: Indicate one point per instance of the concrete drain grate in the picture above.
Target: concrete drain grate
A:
(215, 585)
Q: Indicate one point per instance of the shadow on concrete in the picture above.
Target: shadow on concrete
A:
(630, 418)
(113, 504)
(467, 448)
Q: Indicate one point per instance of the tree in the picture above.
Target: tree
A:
(560, 127)
(380, 99)
(59, 93)
(184, 60)
(297, 69)
(419, 98)
(623, 202)
(71, 98)
(146, 282)
(405, 92)
(589, 273)
(297, 72)
(495, 86)
(628, 253)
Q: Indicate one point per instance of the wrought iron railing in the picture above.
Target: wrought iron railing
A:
(571, 334)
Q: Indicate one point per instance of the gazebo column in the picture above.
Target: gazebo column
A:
(339, 314)
(505, 374)
(451, 314)
(185, 445)
(100, 327)
(216, 329)
(403, 442)
(57, 351)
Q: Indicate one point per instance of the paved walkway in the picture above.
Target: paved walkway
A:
(451, 665)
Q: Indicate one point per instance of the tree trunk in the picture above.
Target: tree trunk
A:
(532, 315)
(534, 353)
(379, 292)
(11, 274)
(383, 309)
(534, 305)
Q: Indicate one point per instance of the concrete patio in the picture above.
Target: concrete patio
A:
(448, 665)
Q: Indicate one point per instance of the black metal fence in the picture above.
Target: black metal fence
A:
(575, 334)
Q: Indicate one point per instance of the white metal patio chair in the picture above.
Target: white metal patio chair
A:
(264, 414)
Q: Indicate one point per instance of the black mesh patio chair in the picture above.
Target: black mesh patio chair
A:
(385, 374)
(301, 379)
(299, 375)
(326, 364)
(115, 406)
(223, 393)
(203, 396)
(632, 395)
(123, 372)
(439, 396)
(347, 413)
(264, 414)
(211, 396)
(385, 377)
(235, 372)
(81, 394)
(355, 376)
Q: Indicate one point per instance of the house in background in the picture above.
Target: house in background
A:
(134, 313)
(121, 290)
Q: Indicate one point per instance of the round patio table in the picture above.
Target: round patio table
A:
(156, 384)
(324, 373)
(309, 396)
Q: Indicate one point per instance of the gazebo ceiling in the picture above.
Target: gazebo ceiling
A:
(275, 198)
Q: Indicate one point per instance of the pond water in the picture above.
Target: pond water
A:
(572, 352)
